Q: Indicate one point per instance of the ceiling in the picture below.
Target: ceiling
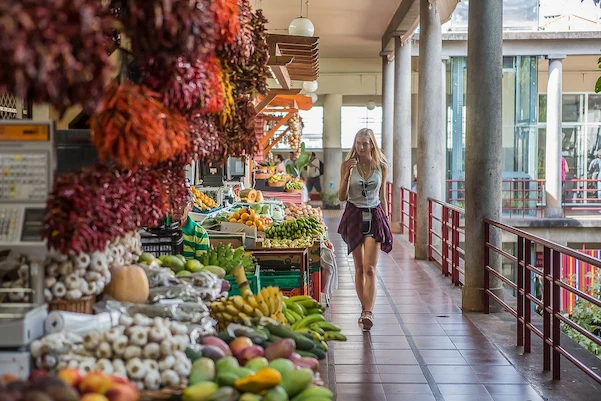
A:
(347, 28)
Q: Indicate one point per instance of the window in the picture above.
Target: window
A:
(312, 131)
(355, 118)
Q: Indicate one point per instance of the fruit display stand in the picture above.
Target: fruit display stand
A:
(287, 269)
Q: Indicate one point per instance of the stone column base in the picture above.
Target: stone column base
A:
(395, 226)
(472, 299)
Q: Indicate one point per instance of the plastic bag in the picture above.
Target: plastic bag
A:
(329, 269)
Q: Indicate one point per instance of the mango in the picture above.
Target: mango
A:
(313, 392)
(217, 342)
(174, 263)
(203, 370)
(224, 394)
(249, 397)
(280, 349)
(224, 379)
(226, 364)
(297, 381)
(146, 257)
(181, 257)
(276, 393)
(284, 366)
(199, 392)
(183, 273)
(257, 364)
(216, 270)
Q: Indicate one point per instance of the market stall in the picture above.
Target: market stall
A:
(97, 300)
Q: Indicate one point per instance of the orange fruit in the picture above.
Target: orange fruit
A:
(249, 223)
(244, 216)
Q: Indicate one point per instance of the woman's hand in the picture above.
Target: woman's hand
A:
(348, 165)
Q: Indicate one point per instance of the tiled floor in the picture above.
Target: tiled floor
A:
(421, 347)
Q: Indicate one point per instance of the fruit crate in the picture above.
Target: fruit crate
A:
(167, 240)
(288, 282)
(254, 281)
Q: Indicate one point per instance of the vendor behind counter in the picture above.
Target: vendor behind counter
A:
(196, 239)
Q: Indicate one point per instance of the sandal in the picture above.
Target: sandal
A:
(367, 320)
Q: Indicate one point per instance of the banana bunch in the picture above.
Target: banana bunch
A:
(240, 309)
(305, 315)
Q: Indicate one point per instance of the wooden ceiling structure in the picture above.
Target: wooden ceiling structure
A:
(291, 58)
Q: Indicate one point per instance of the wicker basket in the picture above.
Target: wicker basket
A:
(82, 305)
(279, 184)
(164, 394)
(263, 176)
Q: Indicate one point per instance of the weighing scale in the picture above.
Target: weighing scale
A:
(27, 166)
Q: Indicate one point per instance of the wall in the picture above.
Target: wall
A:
(580, 74)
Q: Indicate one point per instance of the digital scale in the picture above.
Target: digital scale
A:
(27, 167)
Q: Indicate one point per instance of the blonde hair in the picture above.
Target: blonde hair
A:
(378, 160)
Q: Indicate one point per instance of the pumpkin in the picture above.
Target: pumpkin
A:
(128, 284)
(259, 197)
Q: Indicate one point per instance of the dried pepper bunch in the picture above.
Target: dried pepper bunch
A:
(239, 52)
(90, 208)
(169, 28)
(206, 139)
(189, 87)
(240, 138)
(134, 128)
(226, 18)
(252, 77)
(55, 51)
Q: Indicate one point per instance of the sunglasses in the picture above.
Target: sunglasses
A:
(364, 190)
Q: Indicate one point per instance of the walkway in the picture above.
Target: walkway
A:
(422, 348)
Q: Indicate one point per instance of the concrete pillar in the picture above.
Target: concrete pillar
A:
(483, 162)
(387, 108)
(554, 138)
(401, 164)
(332, 141)
(430, 139)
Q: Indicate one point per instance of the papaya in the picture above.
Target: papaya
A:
(297, 381)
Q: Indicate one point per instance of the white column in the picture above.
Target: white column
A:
(332, 141)
(387, 108)
(554, 138)
(483, 163)
(430, 159)
(401, 165)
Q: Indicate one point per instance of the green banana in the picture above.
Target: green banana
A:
(298, 298)
(314, 327)
(294, 307)
(309, 303)
(303, 309)
(327, 326)
(323, 345)
(296, 316)
(316, 336)
(314, 311)
(290, 318)
(308, 320)
(334, 336)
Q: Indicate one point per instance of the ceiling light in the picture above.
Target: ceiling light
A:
(302, 26)
(313, 97)
(371, 105)
(310, 86)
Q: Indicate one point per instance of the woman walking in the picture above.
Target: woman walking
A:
(364, 225)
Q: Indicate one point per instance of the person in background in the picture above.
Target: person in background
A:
(414, 181)
(565, 169)
(313, 172)
(196, 239)
(281, 167)
(364, 225)
(595, 169)
(291, 161)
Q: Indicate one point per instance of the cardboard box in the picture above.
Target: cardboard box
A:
(273, 260)
(235, 239)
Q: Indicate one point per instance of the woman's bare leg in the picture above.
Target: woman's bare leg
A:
(359, 273)
(370, 260)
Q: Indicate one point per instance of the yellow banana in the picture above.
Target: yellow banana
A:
(258, 312)
(269, 300)
(248, 309)
(245, 319)
(262, 305)
(231, 309)
(227, 317)
(238, 302)
(252, 301)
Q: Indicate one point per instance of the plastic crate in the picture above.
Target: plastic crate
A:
(167, 240)
(254, 281)
(286, 281)
(315, 285)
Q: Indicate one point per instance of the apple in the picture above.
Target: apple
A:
(93, 397)
(239, 344)
(122, 392)
(95, 382)
(71, 376)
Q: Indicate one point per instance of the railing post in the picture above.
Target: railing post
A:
(430, 245)
(519, 294)
(445, 241)
(403, 212)
(455, 246)
(556, 310)
(414, 203)
(411, 218)
(527, 290)
(486, 298)
(546, 306)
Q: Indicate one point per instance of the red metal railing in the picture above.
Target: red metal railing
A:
(389, 199)
(445, 236)
(550, 274)
(582, 194)
(408, 213)
(521, 197)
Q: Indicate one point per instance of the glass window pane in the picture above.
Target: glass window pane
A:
(572, 108)
(594, 108)
(355, 118)
(542, 108)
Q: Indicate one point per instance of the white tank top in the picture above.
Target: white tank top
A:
(358, 187)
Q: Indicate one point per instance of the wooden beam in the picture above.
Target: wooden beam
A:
(264, 102)
(293, 109)
(282, 76)
(280, 60)
(276, 141)
(272, 131)
(278, 38)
